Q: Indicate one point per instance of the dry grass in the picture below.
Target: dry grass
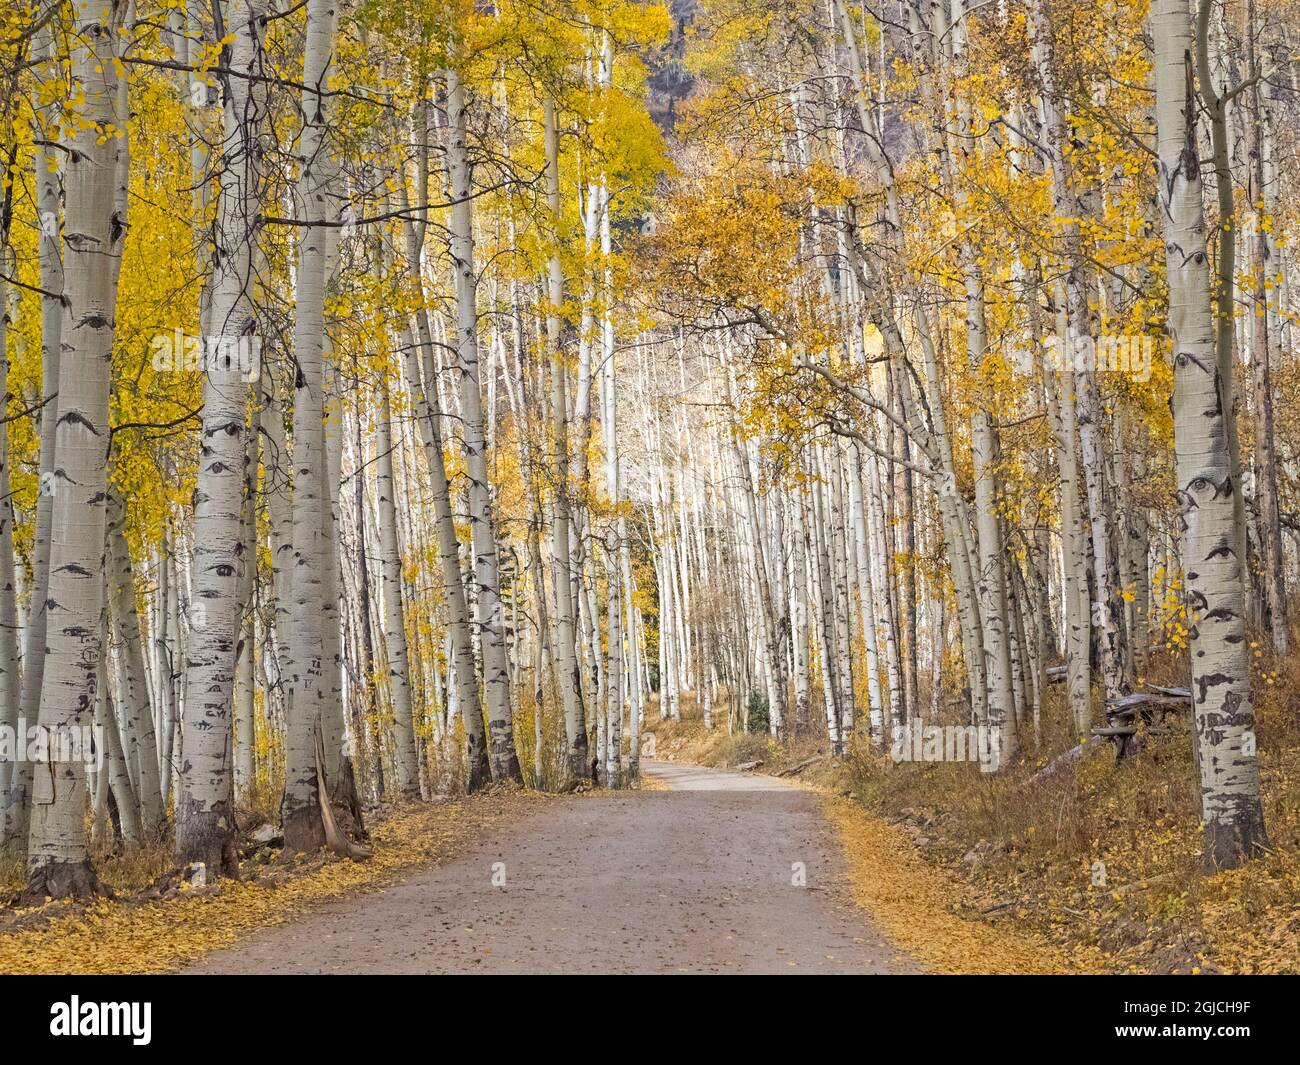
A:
(1110, 853)
(921, 910)
(124, 870)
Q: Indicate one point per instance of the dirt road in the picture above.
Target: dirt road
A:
(703, 878)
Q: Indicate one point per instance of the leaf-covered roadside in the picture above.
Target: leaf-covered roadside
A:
(128, 936)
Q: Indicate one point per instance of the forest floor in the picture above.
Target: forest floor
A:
(805, 863)
(696, 871)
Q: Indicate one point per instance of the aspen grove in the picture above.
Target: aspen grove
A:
(408, 399)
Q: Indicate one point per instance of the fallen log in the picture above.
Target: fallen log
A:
(801, 766)
(1138, 700)
(1061, 761)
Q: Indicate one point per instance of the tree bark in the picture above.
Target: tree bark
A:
(205, 828)
(489, 618)
(300, 811)
(567, 668)
(58, 863)
(1214, 581)
(390, 582)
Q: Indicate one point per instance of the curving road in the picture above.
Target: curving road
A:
(700, 878)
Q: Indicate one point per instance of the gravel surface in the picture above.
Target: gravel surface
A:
(696, 879)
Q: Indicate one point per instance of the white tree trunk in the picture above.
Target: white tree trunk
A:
(866, 598)
(1214, 581)
(135, 705)
(488, 614)
(58, 863)
(10, 680)
(461, 661)
(300, 806)
(1074, 551)
(205, 829)
(567, 668)
(15, 800)
(245, 766)
(390, 560)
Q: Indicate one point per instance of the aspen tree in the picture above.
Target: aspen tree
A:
(48, 174)
(205, 828)
(58, 864)
(300, 806)
(567, 668)
(428, 417)
(490, 621)
(617, 554)
(135, 688)
(1215, 582)
(246, 648)
(1264, 343)
(10, 680)
(399, 689)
